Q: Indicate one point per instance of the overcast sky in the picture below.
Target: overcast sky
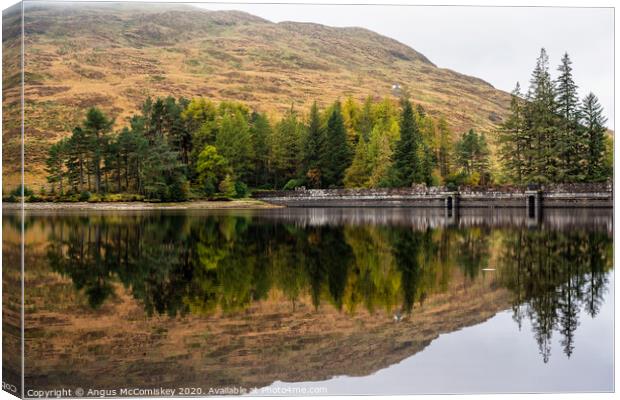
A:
(497, 44)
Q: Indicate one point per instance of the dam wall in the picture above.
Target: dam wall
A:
(576, 195)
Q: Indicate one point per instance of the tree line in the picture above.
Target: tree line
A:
(174, 146)
(177, 148)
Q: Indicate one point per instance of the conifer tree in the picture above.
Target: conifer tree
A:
(260, 132)
(97, 126)
(336, 154)
(406, 166)
(514, 149)
(350, 115)
(472, 154)
(358, 173)
(285, 145)
(55, 165)
(365, 120)
(427, 165)
(594, 126)
(380, 156)
(312, 145)
(77, 158)
(234, 142)
(569, 142)
(542, 123)
(444, 150)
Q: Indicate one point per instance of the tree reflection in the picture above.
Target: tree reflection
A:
(176, 264)
(552, 275)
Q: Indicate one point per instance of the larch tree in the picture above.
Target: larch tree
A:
(234, 142)
(357, 175)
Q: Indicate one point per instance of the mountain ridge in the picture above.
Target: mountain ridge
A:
(114, 56)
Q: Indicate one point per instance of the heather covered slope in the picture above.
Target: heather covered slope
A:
(114, 55)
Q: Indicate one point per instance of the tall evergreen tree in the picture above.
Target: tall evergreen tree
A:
(285, 149)
(542, 123)
(472, 154)
(514, 149)
(427, 165)
(593, 122)
(55, 165)
(336, 155)
(311, 148)
(77, 161)
(569, 142)
(444, 150)
(97, 126)
(163, 173)
(407, 166)
(260, 132)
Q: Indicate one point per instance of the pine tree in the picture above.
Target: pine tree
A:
(97, 126)
(541, 122)
(162, 173)
(311, 148)
(406, 166)
(472, 154)
(112, 163)
(569, 138)
(179, 136)
(156, 124)
(260, 132)
(55, 165)
(77, 159)
(285, 146)
(444, 151)
(336, 155)
(514, 146)
(593, 122)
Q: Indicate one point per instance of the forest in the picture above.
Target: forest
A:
(175, 149)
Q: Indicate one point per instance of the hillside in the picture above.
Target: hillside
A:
(113, 56)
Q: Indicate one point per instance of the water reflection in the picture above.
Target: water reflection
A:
(384, 265)
(552, 276)
(176, 264)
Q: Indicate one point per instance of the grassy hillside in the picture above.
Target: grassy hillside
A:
(114, 55)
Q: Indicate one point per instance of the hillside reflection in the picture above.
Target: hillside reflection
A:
(382, 260)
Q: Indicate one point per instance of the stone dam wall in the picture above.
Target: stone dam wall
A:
(583, 195)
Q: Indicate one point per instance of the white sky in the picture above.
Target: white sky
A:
(497, 44)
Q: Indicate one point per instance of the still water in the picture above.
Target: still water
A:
(316, 301)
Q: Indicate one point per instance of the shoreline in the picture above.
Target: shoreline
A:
(245, 204)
